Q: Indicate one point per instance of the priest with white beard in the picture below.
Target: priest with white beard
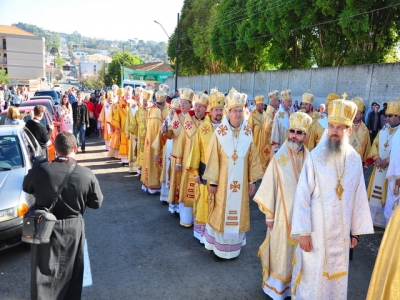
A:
(330, 210)
(275, 198)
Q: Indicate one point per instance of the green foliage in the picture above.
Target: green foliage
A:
(93, 82)
(59, 62)
(4, 79)
(253, 35)
(113, 75)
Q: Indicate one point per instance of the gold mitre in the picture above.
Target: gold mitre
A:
(164, 87)
(259, 99)
(342, 111)
(359, 102)
(175, 103)
(186, 94)
(201, 98)
(274, 95)
(217, 100)
(286, 95)
(120, 91)
(161, 96)
(213, 90)
(393, 107)
(139, 91)
(300, 120)
(147, 95)
(109, 95)
(331, 97)
(128, 90)
(307, 98)
(234, 99)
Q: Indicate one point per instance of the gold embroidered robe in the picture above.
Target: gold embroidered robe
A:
(118, 121)
(256, 122)
(186, 190)
(385, 278)
(265, 155)
(115, 139)
(151, 170)
(315, 117)
(275, 198)
(132, 152)
(360, 140)
(217, 172)
(315, 135)
(196, 158)
(103, 121)
(138, 128)
(280, 127)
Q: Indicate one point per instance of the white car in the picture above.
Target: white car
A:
(57, 88)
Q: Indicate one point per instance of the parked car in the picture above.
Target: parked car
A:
(19, 151)
(46, 120)
(45, 102)
(57, 88)
(51, 93)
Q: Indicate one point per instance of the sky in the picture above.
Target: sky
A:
(106, 19)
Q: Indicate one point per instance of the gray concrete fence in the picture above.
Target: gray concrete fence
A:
(375, 82)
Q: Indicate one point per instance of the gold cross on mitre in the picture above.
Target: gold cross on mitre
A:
(344, 95)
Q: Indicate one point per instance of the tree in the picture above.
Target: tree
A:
(92, 82)
(4, 79)
(59, 62)
(113, 75)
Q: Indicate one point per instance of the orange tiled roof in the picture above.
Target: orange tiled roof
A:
(5, 29)
(152, 66)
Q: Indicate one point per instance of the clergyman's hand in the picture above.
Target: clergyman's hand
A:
(213, 190)
(252, 189)
(305, 243)
(270, 224)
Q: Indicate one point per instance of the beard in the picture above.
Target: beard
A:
(294, 144)
(337, 148)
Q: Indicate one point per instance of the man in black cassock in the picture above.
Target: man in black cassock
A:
(57, 267)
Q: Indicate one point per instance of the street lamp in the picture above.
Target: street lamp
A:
(162, 27)
(176, 50)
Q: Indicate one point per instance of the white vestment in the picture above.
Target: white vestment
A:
(322, 273)
(279, 128)
(393, 173)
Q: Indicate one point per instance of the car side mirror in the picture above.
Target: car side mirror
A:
(37, 160)
(56, 124)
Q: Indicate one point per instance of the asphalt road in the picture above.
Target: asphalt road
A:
(138, 250)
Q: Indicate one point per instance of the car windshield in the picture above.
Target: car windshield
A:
(52, 94)
(10, 153)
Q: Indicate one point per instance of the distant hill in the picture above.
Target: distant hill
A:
(147, 50)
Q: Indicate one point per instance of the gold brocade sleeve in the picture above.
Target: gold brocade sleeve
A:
(116, 119)
(212, 161)
(193, 162)
(367, 145)
(374, 151)
(128, 119)
(156, 145)
(315, 135)
(102, 117)
(255, 170)
(134, 124)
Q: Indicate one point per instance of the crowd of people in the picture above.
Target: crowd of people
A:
(12, 96)
(204, 153)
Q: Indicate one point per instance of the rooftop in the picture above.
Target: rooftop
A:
(5, 29)
(152, 66)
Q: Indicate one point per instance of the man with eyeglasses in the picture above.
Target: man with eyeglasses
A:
(272, 107)
(330, 210)
(359, 137)
(381, 197)
(281, 121)
(275, 198)
(232, 168)
(318, 128)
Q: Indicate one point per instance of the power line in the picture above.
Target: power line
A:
(294, 29)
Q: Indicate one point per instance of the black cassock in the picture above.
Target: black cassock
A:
(57, 267)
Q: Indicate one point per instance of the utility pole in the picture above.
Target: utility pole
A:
(176, 54)
(123, 63)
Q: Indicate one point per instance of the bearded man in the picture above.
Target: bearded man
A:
(330, 210)
(275, 198)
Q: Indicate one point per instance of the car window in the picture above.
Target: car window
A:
(32, 140)
(10, 153)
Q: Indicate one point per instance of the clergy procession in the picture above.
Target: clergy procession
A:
(205, 154)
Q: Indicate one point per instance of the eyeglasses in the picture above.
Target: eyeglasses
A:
(389, 116)
(299, 132)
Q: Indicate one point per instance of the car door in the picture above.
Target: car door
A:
(32, 143)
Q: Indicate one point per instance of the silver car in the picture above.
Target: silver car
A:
(19, 151)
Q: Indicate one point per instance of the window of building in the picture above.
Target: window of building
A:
(4, 44)
(5, 59)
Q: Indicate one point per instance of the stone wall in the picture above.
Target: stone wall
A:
(376, 82)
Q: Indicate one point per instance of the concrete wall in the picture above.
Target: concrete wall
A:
(375, 82)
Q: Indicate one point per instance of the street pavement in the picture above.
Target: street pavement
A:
(138, 250)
